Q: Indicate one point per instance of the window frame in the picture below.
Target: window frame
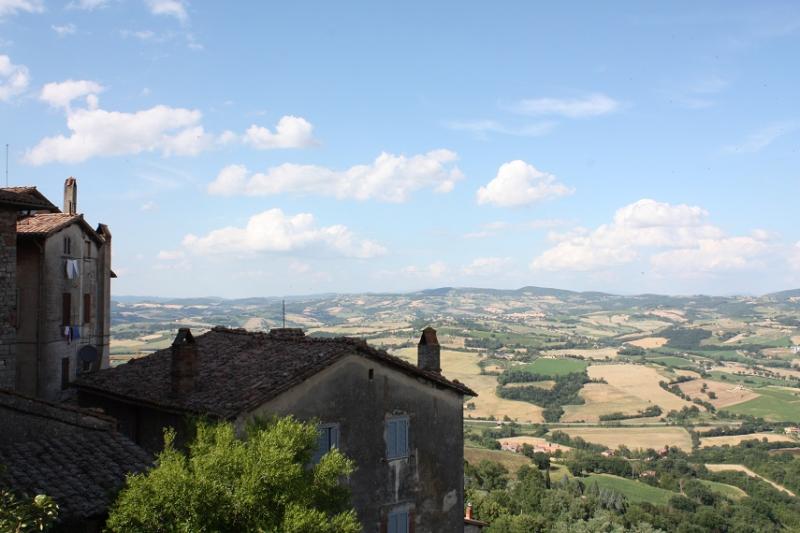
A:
(393, 451)
(333, 433)
(398, 521)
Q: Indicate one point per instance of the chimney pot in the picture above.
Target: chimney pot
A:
(183, 369)
(428, 351)
(71, 196)
(469, 511)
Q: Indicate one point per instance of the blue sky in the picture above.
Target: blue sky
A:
(265, 148)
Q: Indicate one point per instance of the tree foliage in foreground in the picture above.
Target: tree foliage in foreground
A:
(264, 482)
(23, 515)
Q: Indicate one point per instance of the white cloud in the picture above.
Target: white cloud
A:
(96, 132)
(486, 266)
(274, 231)
(677, 236)
(170, 8)
(291, 132)
(64, 30)
(88, 5)
(481, 128)
(390, 178)
(14, 79)
(12, 7)
(149, 206)
(591, 106)
(435, 270)
(61, 94)
(517, 183)
(762, 138)
(170, 255)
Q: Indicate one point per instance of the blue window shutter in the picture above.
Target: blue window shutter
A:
(403, 437)
(391, 439)
(334, 438)
(398, 522)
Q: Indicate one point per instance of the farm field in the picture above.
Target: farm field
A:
(729, 491)
(655, 437)
(596, 353)
(463, 366)
(639, 381)
(635, 491)
(727, 394)
(555, 367)
(512, 461)
(533, 441)
(774, 403)
(602, 399)
(649, 342)
(744, 469)
(733, 440)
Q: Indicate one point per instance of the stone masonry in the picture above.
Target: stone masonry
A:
(8, 297)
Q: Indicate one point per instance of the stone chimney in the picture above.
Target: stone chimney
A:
(183, 369)
(71, 196)
(428, 351)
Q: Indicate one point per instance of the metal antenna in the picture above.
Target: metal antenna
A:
(283, 302)
(6, 164)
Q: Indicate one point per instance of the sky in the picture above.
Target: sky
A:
(243, 149)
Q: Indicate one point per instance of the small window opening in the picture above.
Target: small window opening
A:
(64, 373)
(371, 374)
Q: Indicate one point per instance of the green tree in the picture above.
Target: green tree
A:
(264, 482)
(23, 515)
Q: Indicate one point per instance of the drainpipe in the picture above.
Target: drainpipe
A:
(40, 322)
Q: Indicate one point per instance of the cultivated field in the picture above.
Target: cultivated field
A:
(649, 342)
(555, 367)
(727, 393)
(602, 399)
(512, 461)
(639, 381)
(634, 491)
(594, 353)
(778, 404)
(742, 468)
(464, 367)
(534, 441)
(647, 437)
(729, 491)
(733, 440)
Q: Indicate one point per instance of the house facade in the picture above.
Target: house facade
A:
(401, 423)
(61, 270)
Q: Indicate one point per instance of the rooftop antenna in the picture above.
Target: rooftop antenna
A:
(6, 164)
(283, 303)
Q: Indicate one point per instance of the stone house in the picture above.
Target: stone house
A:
(73, 455)
(401, 423)
(61, 285)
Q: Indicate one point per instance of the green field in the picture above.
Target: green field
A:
(723, 489)
(555, 367)
(751, 381)
(635, 491)
(673, 362)
(779, 405)
(512, 461)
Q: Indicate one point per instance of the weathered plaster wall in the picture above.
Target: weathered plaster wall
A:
(8, 297)
(428, 483)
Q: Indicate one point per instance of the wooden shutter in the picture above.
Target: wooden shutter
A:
(391, 439)
(87, 308)
(402, 437)
(66, 309)
(334, 437)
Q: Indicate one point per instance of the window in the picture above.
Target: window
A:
(397, 522)
(327, 439)
(66, 309)
(67, 246)
(88, 253)
(64, 373)
(87, 308)
(397, 437)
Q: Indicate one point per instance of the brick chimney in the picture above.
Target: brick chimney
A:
(183, 368)
(71, 196)
(428, 351)
(468, 514)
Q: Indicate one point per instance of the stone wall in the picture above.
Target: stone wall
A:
(8, 297)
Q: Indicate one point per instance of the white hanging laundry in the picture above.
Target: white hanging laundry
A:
(68, 268)
(72, 268)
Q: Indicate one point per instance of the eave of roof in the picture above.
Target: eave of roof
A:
(46, 224)
(25, 198)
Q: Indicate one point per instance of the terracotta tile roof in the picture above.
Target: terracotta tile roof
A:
(57, 412)
(44, 224)
(25, 198)
(82, 469)
(82, 473)
(240, 370)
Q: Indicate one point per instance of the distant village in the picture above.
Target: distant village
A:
(73, 428)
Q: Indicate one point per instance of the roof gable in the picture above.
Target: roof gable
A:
(239, 370)
(25, 198)
(46, 224)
